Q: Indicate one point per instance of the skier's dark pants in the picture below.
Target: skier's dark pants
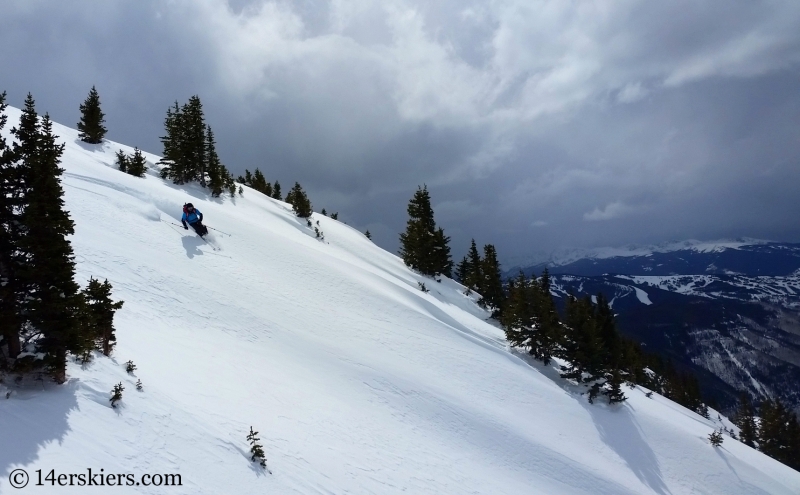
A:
(199, 228)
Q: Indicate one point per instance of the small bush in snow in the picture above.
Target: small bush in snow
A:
(422, 287)
(715, 438)
(130, 367)
(139, 385)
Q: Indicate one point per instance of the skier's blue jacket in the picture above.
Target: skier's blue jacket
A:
(191, 217)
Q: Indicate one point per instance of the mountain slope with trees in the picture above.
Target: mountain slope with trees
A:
(352, 378)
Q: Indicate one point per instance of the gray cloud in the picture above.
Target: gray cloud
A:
(528, 120)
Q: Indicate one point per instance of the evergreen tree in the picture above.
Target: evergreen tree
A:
(91, 125)
(299, 201)
(130, 367)
(101, 311)
(715, 438)
(256, 450)
(216, 172)
(745, 420)
(461, 269)
(137, 164)
(530, 319)
(172, 160)
(52, 302)
(472, 268)
(779, 433)
(442, 261)
(276, 191)
(614, 391)
(122, 161)
(424, 247)
(368, 235)
(12, 201)
(116, 394)
(190, 150)
(194, 134)
(492, 281)
(260, 184)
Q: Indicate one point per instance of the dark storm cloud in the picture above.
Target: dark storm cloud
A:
(536, 124)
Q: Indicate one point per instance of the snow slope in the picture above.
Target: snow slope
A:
(358, 382)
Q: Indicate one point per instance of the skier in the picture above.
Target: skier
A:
(194, 218)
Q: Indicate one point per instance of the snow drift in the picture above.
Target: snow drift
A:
(357, 381)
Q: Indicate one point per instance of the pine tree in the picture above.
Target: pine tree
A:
(276, 191)
(716, 438)
(216, 172)
(492, 280)
(299, 201)
(91, 125)
(52, 304)
(139, 385)
(116, 394)
(260, 184)
(256, 450)
(424, 247)
(13, 194)
(137, 164)
(614, 392)
(745, 420)
(101, 311)
(122, 161)
(368, 235)
(130, 367)
(472, 268)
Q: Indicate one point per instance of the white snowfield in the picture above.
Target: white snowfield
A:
(358, 382)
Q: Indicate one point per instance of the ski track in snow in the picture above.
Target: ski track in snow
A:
(357, 381)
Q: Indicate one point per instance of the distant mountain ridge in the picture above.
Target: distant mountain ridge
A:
(750, 257)
(728, 310)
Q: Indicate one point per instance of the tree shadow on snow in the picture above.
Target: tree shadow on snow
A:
(192, 246)
(30, 419)
(620, 431)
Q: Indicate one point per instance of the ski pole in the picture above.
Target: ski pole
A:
(221, 232)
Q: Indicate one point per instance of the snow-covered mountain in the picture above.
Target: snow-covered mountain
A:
(357, 381)
(729, 257)
(728, 310)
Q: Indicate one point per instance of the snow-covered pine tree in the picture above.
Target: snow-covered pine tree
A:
(139, 385)
(137, 164)
(256, 450)
(130, 367)
(368, 235)
(299, 200)
(92, 118)
(101, 311)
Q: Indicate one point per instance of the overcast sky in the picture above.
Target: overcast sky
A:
(535, 124)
